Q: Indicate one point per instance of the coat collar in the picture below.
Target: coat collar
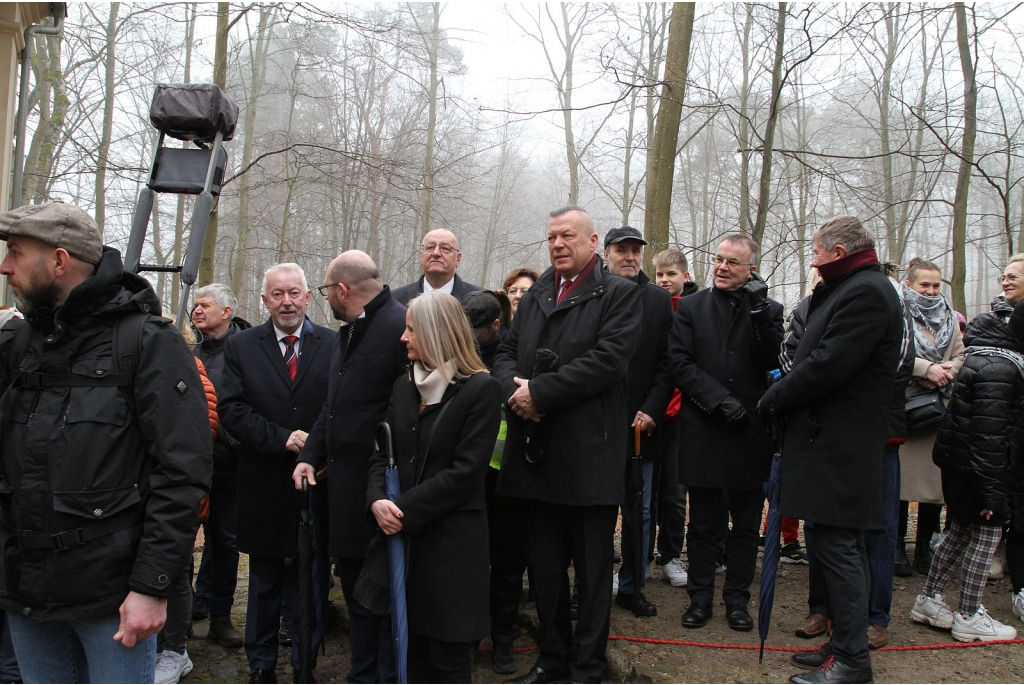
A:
(380, 302)
(270, 346)
(593, 286)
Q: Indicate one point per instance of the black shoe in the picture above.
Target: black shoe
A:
(284, 637)
(200, 610)
(504, 659)
(923, 559)
(902, 567)
(738, 617)
(263, 676)
(813, 659)
(617, 557)
(225, 634)
(833, 671)
(539, 675)
(297, 679)
(637, 603)
(697, 615)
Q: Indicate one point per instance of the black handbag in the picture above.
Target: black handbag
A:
(925, 408)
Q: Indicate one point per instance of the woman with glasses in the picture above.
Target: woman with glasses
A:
(939, 348)
(517, 283)
(444, 416)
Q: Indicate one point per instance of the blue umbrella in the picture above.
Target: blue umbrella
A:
(396, 560)
(770, 561)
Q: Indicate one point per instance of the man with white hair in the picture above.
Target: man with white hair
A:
(273, 386)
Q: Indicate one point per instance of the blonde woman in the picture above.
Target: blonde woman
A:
(444, 417)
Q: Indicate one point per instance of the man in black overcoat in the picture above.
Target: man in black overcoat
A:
(723, 343)
(649, 387)
(367, 359)
(273, 387)
(836, 402)
(570, 475)
(439, 257)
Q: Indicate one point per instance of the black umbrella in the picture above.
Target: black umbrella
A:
(307, 606)
(770, 561)
(543, 361)
(636, 487)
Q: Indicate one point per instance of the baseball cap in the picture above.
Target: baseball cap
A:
(482, 307)
(57, 224)
(617, 235)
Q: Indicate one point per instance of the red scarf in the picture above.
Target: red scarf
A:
(848, 264)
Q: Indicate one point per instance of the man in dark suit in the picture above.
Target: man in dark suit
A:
(365, 363)
(439, 257)
(723, 343)
(836, 401)
(273, 386)
(570, 475)
(648, 389)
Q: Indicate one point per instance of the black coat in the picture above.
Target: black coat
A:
(715, 354)
(72, 458)
(649, 382)
(408, 292)
(836, 401)
(362, 374)
(260, 406)
(979, 443)
(442, 473)
(211, 352)
(594, 332)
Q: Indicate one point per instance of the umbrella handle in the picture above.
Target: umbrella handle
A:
(305, 498)
(636, 437)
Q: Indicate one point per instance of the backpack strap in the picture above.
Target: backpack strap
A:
(127, 351)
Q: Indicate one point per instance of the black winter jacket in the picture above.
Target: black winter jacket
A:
(211, 352)
(979, 441)
(78, 458)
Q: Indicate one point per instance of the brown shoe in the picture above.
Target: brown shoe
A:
(812, 626)
(225, 634)
(877, 636)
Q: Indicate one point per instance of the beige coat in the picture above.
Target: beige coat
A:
(920, 478)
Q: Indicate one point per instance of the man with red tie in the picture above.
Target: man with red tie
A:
(273, 387)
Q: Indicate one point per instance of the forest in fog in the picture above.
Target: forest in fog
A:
(365, 125)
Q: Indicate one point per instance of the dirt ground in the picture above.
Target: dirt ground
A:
(640, 662)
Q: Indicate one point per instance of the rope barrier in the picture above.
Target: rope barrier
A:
(772, 648)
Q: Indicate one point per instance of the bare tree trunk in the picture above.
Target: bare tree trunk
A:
(745, 124)
(658, 203)
(179, 214)
(108, 117)
(963, 177)
(764, 186)
(432, 42)
(220, 79)
(888, 193)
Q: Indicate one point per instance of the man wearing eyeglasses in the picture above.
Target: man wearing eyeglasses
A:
(724, 341)
(439, 257)
(367, 359)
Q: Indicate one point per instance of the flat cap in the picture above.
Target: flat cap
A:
(617, 235)
(57, 224)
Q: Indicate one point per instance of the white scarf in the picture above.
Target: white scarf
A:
(430, 383)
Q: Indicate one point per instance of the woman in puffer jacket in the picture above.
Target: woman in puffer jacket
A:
(978, 443)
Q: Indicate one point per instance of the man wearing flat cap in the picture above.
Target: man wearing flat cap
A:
(648, 390)
(105, 453)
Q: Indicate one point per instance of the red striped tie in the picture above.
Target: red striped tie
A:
(291, 360)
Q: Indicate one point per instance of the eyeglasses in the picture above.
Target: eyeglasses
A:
(1012, 278)
(446, 250)
(719, 260)
(324, 289)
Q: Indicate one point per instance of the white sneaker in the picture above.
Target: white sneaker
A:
(998, 568)
(649, 573)
(615, 584)
(1018, 605)
(933, 611)
(674, 572)
(171, 666)
(981, 628)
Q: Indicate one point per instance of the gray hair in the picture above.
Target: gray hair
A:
(847, 231)
(219, 293)
(287, 266)
(751, 244)
(555, 213)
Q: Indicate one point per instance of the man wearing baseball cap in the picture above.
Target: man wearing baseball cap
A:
(104, 453)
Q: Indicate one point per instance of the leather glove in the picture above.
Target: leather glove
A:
(732, 412)
(757, 292)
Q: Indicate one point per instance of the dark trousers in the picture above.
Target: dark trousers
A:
(817, 596)
(508, 561)
(668, 501)
(1015, 558)
(843, 558)
(218, 569)
(9, 671)
(173, 637)
(434, 661)
(584, 535)
(881, 544)
(928, 517)
(373, 655)
(745, 506)
(271, 579)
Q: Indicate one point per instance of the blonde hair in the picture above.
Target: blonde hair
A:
(1019, 257)
(186, 331)
(443, 335)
